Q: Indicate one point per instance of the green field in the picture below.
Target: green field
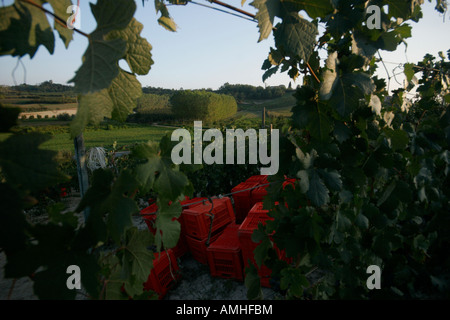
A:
(249, 115)
(277, 107)
(285, 101)
(104, 138)
(33, 107)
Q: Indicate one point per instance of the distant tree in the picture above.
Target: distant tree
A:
(202, 105)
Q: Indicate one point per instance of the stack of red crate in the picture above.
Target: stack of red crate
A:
(149, 215)
(256, 215)
(242, 199)
(224, 255)
(206, 220)
(163, 274)
(243, 195)
(258, 178)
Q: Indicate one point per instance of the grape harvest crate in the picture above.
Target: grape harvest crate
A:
(198, 247)
(261, 179)
(163, 274)
(256, 215)
(224, 255)
(206, 218)
(149, 215)
(243, 199)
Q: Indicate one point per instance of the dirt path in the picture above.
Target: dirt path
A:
(49, 113)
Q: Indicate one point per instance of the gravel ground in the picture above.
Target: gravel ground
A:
(196, 283)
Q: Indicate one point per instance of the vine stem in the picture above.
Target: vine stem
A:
(58, 19)
(312, 72)
(418, 123)
(387, 72)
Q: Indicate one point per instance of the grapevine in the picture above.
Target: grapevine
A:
(372, 168)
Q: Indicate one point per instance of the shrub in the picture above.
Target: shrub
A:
(156, 115)
(147, 103)
(64, 117)
(202, 105)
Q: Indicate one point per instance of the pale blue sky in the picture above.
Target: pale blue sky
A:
(209, 49)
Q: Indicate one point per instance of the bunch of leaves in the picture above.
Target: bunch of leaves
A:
(202, 105)
(115, 257)
(372, 170)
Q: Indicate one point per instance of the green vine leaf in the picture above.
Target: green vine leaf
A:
(146, 172)
(100, 61)
(100, 65)
(168, 228)
(332, 179)
(121, 205)
(138, 49)
(296, 36)
(137, 260)
(92, 108)
(294, 280)
(253, 283)
(124, 91)
(165, 20)
(116, 102)
(158, 172)
(403, 9)
(27, 166)
(60, 9)
(23, 28)
(170, 182)
(314, 9)
(264, 244)
(317, 192)
(267, 11)
(408, 69)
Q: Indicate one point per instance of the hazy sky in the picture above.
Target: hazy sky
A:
(209, 49)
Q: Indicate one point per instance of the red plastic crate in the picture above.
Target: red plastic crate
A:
(149, 215)
(181, 248)
(256, 215)
(198, 247)
(224, 255)
(258, 194)
(259, 178)
(243, 200)
(163, 274)
(245, 231)
(197, 219)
